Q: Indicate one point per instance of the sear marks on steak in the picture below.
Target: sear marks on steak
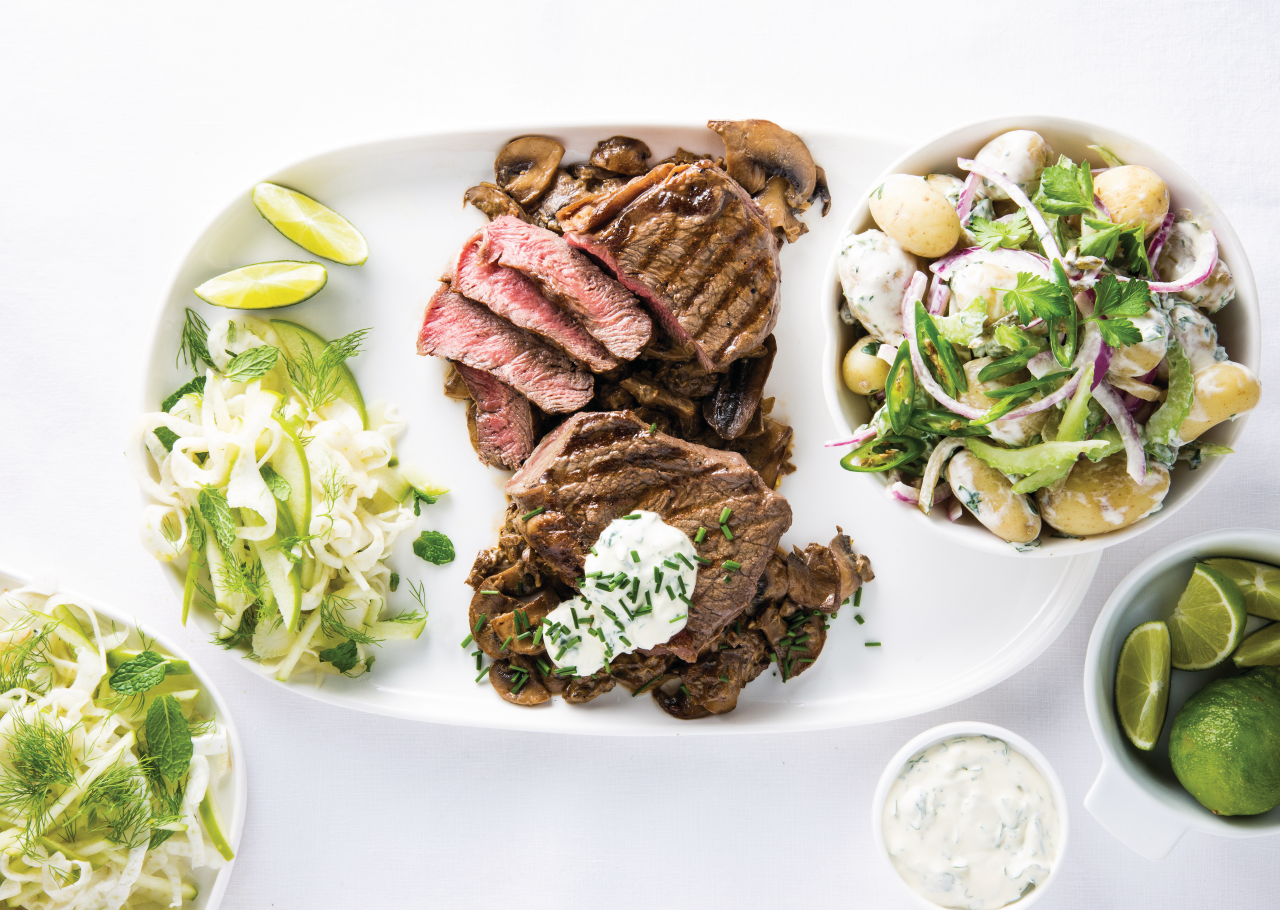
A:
(606, 309)
(466, 332)
(596, 467)
(514, 297)
(691, 242)
(503, 420)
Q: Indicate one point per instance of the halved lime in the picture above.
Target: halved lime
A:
(1142, 684)
(265, 285)
(312, 226)
(1258, 582)
(1261, 649)
(1208, 623)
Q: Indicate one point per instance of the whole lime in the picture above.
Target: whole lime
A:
(1225, 743)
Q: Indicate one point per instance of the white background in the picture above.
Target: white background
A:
(125, 127)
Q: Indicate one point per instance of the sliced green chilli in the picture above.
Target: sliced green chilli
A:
(900, 389)
(939, 353)
(883, 454)
(1033, 385)
(1006, 365)
(945, 423)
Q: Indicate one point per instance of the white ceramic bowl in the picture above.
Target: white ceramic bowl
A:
(232, 791)
(1136, 796)
(950, 731)
(1239, 324)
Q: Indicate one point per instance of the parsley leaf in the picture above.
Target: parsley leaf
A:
(1066, 189)
(1132, 254)
(1119, 332)
(194, 346)
(1111, 298)
(138, 674)
(992, 235)
(193, 386)
(1102, 239)
(1036, 297)
(278, 486)
(343, 657)
(252, 364)
(214, 509)
(167, 437)
(434, 547)
(169, 738)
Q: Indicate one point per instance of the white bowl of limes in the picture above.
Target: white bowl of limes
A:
(1138, 796)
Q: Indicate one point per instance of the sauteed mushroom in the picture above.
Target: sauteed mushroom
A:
(494, 202)
(622, 155)
(738, 395)
(773, 200)
(526, 166)
(821, 191)
(517, 680)
(756, 150)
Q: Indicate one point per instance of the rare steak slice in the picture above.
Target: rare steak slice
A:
(467, 333)
(504, 422)
(606, 309)
(690, 241)
(515, 297)
(598, 466)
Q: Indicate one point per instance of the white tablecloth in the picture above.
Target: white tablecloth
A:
(127, 126)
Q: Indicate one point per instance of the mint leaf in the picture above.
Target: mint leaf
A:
(169, 738)
(138, 674)
(194, 385)
(419, 498)
(343, 657)
(167, 437)
(1066, 189)
(394, 582)
(434, 547)
(216, 512)
(252, 364)
(1102, 240)
(278, 486)
(1111, 298)
(992, 235)
(1119, 332)
(1036, 297)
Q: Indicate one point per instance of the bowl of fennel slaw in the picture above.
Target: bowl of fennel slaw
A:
(121, 775)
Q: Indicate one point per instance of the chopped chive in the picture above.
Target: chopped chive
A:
(670, 594)
(503, 646)
(801, 640)
(482, 673)
(732, 565)
(596, 574)
(393, 582)
(574, 611)
(702, 560)
(569, 644)
(635, 557)
(647, 686)
(671, 565)
(685, 690)
(566, 671)
(657, 577)
(635, 590)
(543, 666)
(538, 511)
(524, 635)
(724, 515)
(805, 660)
(857, 598)
(593, 552)
(520, 587)
(491, 591)
(723, 679)
(872, 644)
(519, 686)
(466, 641)
(858, 618)
(728, 535)
(680, 582)
(537, 634)
(632, 517)
(653, 428)
(700, 536)
(630, 615)
(728, 579)
(680, 617)
(623, 639)
(684, 559)
(685, 599)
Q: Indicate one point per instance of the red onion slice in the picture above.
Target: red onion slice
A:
(1089, 351)
(914, 292)
(1198, 273)
(1102, 208)
(1015, 193)
(939, 295)
(1110, 400)
(1018, 260)
(856, 439)
(929, 486)
(903, 493)
(954, 511)
(967, 194)
(1158, 240)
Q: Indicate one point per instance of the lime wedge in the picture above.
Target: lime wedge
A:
(312, 226)
(1258, 582)
(1208, 622)
(1261, 649)
(265, 285)
(1142, 684)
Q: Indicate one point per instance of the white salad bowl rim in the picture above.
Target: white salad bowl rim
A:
(212, 898)
(1145, 813)
(932, 737)
(1243, 319)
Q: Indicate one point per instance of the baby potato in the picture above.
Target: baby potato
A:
(1223, 390)
(1011, 432)
(874, 273)
(1021, 155)
(948, 185)
(1102, 497)
(989, 495)
(1197, 336)
(864, 373)
(916, 215)
(982, 279)
(1141, 358)
(1134, 195)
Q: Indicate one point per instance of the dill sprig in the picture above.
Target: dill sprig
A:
(194, 344)
(333, 625)
(316, 378)
(22, 661)
(40, 758)
(118, 804)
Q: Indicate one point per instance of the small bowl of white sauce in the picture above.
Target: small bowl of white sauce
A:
(971, 815)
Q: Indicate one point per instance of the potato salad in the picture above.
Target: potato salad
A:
(269, 476)
(1034, 338)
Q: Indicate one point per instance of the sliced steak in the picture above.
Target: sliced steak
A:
(597, 466)
(467, 333)
(513, 296)
(607, 310)
(689, 240)
(504, 422)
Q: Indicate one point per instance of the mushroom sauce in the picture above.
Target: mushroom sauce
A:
(971, 823)
(640, 577)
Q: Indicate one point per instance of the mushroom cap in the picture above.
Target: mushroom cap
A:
(756, 150)
(622, 155)
(494, 202)
(773, 202)
(526, 166)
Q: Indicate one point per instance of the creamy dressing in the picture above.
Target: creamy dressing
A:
(640, 577)
(971, 823)
(874, 273)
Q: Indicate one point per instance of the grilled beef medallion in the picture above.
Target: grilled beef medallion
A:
(465, 332)
(596, 467)
(690, 241)
(503, 420)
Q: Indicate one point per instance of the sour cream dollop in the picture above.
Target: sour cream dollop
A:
(971, 823)
(640, 577)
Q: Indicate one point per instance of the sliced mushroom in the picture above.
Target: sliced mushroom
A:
(596, 178)
(655, 396)
(821, 191)
(526, 166)
(517, 629)
(841, 547)
(768, 451)
(773, 202)
(814, 578)
(756, 150)
(773, 583)
(739, 392)
(621, 154)
(674, 698)
(684, 156)
(638, 671)
(455, 388)
(494, 202)
(517, 680)
(581, 689)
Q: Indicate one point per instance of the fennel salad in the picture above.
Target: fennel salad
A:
(1036, 342)
(109, 764)
(281, 489)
